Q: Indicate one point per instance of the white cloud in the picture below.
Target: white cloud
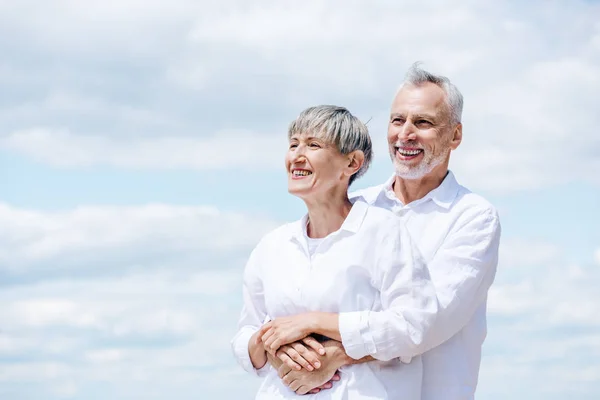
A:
(94, 240)
(126, 328)
(529, 87)
(543, 326)
(159, 329)
(226, 150)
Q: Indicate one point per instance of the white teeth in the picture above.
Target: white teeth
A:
(301, 173)
(409, 152)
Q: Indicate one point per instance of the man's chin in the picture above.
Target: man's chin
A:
(409, 173)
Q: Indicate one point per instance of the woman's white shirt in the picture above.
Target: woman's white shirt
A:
(370, 272)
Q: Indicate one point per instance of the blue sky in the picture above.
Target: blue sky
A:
(141, 159)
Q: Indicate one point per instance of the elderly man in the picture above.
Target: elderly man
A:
(456, 231)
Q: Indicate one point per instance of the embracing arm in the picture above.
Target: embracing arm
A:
(461, 271)
(407, 299)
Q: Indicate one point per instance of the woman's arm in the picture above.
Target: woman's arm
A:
(247, 347)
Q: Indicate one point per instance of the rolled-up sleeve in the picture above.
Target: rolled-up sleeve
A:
(252, 316)
(426, 304)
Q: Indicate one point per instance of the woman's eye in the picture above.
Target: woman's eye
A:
(293, 146)
(313, 144)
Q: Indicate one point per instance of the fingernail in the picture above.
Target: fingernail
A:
(321, 351)
(317, 364)
(298, 368)
(310, 368)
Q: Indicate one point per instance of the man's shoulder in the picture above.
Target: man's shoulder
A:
(470, 202)
(367, 194)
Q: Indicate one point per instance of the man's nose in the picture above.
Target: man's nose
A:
(407, 132)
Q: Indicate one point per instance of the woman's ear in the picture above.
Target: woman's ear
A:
(356, 159)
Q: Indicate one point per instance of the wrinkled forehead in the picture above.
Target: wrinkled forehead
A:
(427, 98)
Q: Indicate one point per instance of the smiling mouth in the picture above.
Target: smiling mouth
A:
(408, 152)
(300, 173)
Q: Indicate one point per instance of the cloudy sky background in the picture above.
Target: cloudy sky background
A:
(141, 158)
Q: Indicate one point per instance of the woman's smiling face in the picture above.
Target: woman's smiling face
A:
(314, 167)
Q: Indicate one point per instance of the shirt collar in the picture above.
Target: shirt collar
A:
(444, 195)
(351, 224)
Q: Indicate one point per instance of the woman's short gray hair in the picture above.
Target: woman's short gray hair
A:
(417, 76)
(336, 125)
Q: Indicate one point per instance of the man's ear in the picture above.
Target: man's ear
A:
(356, 159)
(456, 136)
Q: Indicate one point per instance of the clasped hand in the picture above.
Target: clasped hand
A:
(286, 330)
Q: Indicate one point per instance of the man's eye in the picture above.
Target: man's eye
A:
(423, 122)
(397, 121)
(293, 146)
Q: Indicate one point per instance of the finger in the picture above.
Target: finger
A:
(295, 385)
(287, 380)
(299, 359)
(268, 345)
(283, 370)
(275, 344)
(314, 344)
(308, 355)
(314, 391)
(263, 329)
(288, 360)
(336, 377)
(302, 390)
(269, 333)
(326, 385)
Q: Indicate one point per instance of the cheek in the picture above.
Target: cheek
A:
(391, 135)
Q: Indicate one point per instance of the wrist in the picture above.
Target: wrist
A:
(314, 323)
(258, 355)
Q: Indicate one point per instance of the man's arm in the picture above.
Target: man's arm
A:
(407, 298)
(462, 271)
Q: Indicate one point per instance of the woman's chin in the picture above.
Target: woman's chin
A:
(302, 192)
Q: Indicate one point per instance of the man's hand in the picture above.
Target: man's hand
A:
(285, 330)
(305, 353)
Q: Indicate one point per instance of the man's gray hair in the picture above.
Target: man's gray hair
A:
(417, 76)
(337, 126)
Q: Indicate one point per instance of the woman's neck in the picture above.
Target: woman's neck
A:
(325, 217)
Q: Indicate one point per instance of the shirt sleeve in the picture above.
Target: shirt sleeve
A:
(440, 298)
(252, 317)
(407, 299)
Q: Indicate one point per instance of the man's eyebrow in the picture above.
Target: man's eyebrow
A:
(393, 115)
(424, 116)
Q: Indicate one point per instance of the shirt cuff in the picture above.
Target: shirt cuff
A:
(356, 338)
(239, 345)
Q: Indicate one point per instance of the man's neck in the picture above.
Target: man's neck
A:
(409, 190)
(325, 217)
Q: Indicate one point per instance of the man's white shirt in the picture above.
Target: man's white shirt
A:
(457, 233)
(369, 272)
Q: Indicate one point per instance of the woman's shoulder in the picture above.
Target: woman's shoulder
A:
(278, 235)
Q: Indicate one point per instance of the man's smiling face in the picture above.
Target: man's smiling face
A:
(420, 131)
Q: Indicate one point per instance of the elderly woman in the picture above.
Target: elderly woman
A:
(345, 271)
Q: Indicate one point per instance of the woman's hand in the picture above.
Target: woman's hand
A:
(285, 330)
(257, 352)
(304, 354)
